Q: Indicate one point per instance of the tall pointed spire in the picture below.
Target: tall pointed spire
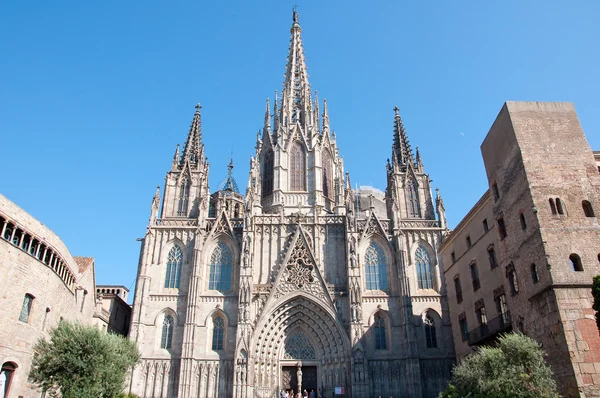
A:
(401, 151)
(295, 101)
(325, 117)
(193, 151)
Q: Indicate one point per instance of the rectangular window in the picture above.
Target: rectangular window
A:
(492, 257)
(464, 329)
(495, 191)
(475, 277)
(453, 256)
(501, 228)
(458, 289)
(26, 308)
(468, 241)
(485, 225)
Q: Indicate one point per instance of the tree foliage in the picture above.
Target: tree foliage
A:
(596, 294)
(514, 368)
(81, 362)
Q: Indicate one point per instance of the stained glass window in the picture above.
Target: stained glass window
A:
(430, 335)
(184, 196)
(413, 199)
(424, 275)
(220, 268)
(297, 346)
(174, 261)
(167, 332)
(380, 342)
(297, 168)
(218, 333)
(375, 268)
(267, 174)
(26, 308)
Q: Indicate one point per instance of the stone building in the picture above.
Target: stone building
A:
(302, 282)
(40, 284)
(524, 257)
(113, 314)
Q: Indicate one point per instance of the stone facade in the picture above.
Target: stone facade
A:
(40, 284)
(544, 186)
(302, 282)
(113, 314)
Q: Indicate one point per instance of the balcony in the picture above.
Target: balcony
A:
(489, 331)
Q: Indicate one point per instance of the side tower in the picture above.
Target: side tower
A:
(185, 307)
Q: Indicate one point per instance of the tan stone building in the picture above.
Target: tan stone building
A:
(301, 283)
(524, 257)
(113, 314)
(40, 284)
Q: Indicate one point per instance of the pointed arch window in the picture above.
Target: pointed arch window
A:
(375, 268)
(298, 347)
(380, 341)
(424, 274)
(174, 262)
(430, 334)
(184, 197)
(267, 174)
(218, 333)
(413, 199)
(297, 167)
(167, 332)
(220, 268)
(328, 190)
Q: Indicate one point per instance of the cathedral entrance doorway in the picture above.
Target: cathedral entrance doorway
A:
(290, 378)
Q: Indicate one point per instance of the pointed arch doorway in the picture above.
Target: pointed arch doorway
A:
(298, 333)
(299, 363)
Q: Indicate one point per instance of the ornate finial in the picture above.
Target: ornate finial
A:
(295, 14)
(198, 107)
(397, 111)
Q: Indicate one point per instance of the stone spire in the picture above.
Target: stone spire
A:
(193, 152)
(325, 117)
(295, 98)
(401, 151)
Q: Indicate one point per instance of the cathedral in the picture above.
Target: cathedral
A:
(302, 282)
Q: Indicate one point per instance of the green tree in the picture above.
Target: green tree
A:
(596, 294)
(81, 362)
(514, 368)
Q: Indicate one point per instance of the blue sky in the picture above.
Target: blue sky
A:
(94, 96)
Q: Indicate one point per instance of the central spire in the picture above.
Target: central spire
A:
(296, 98)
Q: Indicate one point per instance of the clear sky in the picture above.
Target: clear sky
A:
(95, 95)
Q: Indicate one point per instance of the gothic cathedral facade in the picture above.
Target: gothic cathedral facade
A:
(303, 282)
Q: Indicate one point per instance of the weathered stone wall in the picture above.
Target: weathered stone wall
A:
(21, 273)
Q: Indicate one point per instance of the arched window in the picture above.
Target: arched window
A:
(375, 268)
(413, 199)
(8, 368)
(267, 174)
(380, 341)
(430, 335)
(552, 206)
(559, 206)
(534, 274)
(575, 262)
(424, 276)
(220, 268)
(218, 333)
(327, 176)
(184, 197)
(588, 210)
(297, 168)
(26, 308)
(174, 261)
(512, 279)
(167, 332)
